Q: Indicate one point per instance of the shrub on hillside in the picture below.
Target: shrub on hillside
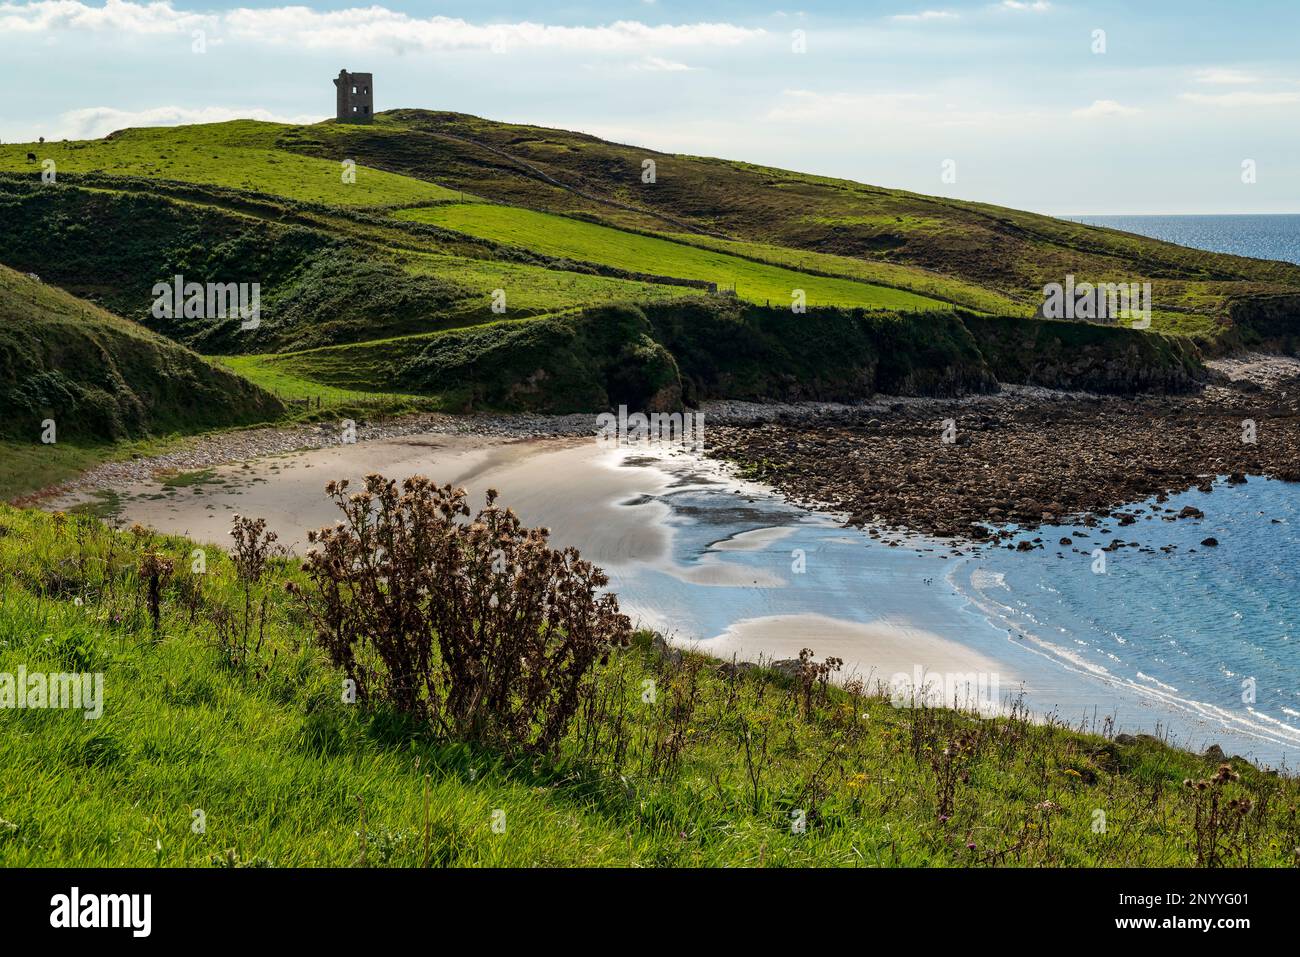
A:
(593, 359)
(477, 627)
(346, 294)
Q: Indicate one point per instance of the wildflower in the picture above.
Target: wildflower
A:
(1224, 774)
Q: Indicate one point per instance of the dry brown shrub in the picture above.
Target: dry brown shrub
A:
(476, 626)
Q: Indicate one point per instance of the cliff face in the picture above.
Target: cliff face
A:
(1085, 357)
(726, 348)
(661, 356)
(1269, 323)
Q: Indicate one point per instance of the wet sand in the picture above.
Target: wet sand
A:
(873, 651)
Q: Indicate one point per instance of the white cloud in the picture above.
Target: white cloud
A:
(1243, 98)
(1031, 6)
(1220, 76)
(374, 27)
(1105, 108)
(927, 15)
(96, 121)
(145, 18)
(657, 64)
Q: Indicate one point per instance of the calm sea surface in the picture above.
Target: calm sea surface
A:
(1262, 237)
(1168, 636)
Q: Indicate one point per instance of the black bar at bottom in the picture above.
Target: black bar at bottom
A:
(333, 907)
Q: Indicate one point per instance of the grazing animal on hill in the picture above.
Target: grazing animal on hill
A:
(31, 157)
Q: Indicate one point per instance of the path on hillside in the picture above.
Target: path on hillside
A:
(593, 197)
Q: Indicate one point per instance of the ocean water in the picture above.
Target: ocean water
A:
(1198, 644)
(1258, 236)
(1211, 632)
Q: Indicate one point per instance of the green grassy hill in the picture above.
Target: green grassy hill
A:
(573, 239)
(705, 347)
(241, 154)
(100, 379)
(455, 228)
(1007, 251)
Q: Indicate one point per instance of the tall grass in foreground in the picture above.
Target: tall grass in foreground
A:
(226, 740)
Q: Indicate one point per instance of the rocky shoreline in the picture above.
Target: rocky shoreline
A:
(240, 445)
(976, 471)
(1022, 457)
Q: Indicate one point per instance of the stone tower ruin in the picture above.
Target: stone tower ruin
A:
(355, 97)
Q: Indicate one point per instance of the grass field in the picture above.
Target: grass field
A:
(1012, 253)
(532, 290)
(208, 755)
(588, 242)
(239, 154)
(353, 374)
(304, 396)
(869, 246)
(28, 466)
(933, 285)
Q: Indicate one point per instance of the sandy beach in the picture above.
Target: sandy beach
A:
(874, 651)
(606, 502)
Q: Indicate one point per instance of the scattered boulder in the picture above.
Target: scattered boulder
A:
(1091, 458)
(789, 667)
(664, 651)
(731, 669)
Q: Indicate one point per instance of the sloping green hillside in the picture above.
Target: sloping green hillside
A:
(324, 279)
(100, 378)
(241, 154)
(573, 239)
(409, 282)
(253, 738)
(1008, 251)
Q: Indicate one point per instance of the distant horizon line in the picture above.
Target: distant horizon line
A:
(1113, 215)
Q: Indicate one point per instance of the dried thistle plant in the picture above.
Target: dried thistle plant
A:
(473, 625)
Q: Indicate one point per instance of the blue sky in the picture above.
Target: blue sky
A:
(1014, 92)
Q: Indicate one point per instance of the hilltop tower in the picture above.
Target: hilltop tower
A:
(355, 97)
